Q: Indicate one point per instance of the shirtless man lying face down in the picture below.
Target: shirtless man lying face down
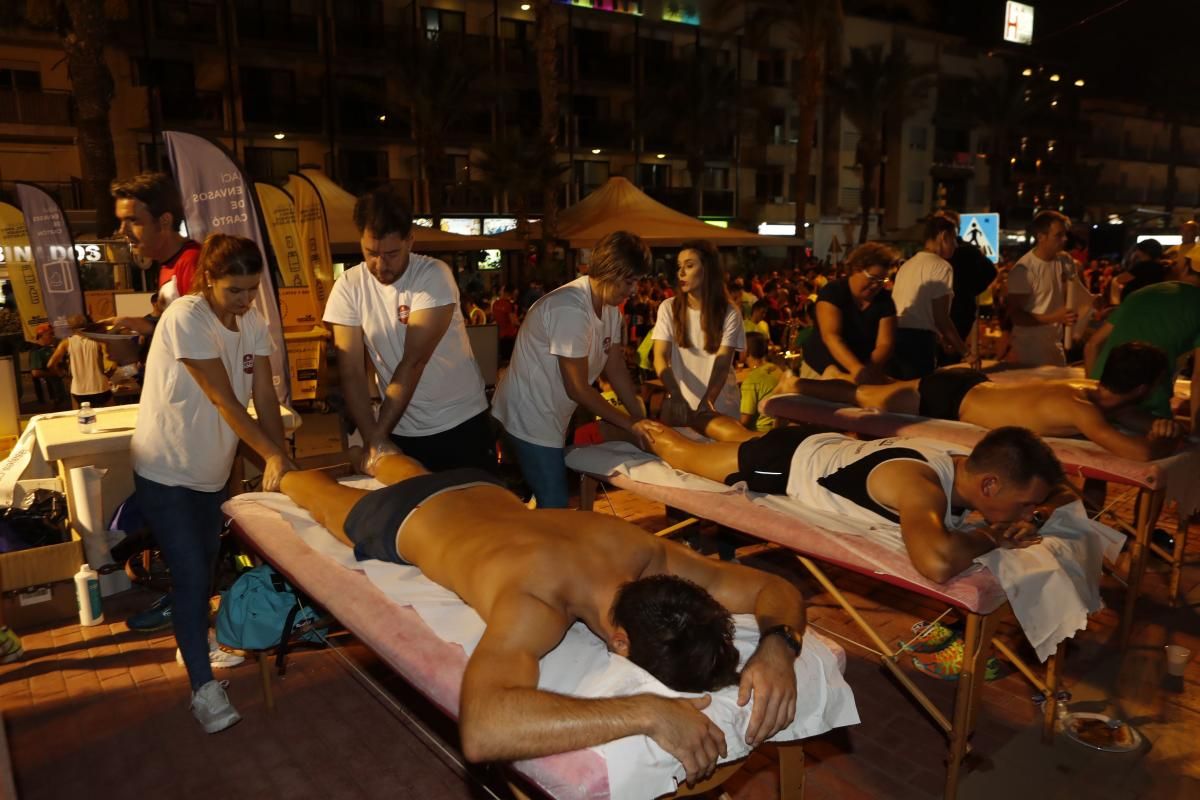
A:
(532, 574)
(918, 483)
(1048, 407)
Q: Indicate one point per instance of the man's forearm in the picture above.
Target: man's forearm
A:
(398, 394)
(842, 354)
(358, 403)
(520, 723)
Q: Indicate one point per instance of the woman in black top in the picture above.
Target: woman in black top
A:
(856, 321)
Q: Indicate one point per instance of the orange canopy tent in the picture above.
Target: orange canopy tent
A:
(343, 236)
(618, 205)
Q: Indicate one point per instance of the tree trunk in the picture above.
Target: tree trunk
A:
(869, 156)
(997, 163)
(808, 97)
(695, 169)
(546, 47)
(83, 31)
(831, 146)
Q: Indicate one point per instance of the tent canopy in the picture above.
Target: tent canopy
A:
(618, 205)
(343, 236)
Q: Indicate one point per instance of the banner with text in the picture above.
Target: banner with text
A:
(53, 256)
(314, 236)
(215, 200)
(295, 289)
(17, 256)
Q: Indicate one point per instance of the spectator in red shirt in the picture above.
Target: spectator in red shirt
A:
(504, 314)
(150, 211)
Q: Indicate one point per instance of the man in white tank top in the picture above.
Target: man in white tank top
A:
(925, 487)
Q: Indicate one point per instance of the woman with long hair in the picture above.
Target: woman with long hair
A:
(695, 338)
(209, 356)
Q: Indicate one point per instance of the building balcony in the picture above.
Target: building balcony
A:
(290, 31)
(195, 109)
(304, 115)
(25, 107)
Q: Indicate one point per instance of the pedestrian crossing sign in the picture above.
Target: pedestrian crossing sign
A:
(983, 231)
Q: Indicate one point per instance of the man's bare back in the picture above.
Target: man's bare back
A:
(1048, 408)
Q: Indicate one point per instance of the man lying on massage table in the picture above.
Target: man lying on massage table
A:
(531, 574)
(916, 483)
(1049, 408)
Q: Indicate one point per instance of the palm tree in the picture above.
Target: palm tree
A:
(1001, 104)
(878, 88)
(693, 106)
(516, 168)
(808, 24)
(83, 27)
(545, 45)
(443, 86)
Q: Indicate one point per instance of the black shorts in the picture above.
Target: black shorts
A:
(943, 391)
(764, 463)
(374, 522)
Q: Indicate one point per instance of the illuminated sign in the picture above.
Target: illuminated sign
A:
(619, 6)
(463, 227)
(1018, 23)
(495, 225)
(720, 223)
(83, 253)
(686, 13)
(776, 229)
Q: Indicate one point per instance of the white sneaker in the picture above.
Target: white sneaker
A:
(217, 658)
(212, 709)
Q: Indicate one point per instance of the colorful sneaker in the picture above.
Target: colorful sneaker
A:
(10, 646)
(217, 657)
(155, 618)
(931, 637)
(212, 709)
(946, 664)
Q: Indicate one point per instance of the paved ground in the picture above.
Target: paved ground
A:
(102, 711)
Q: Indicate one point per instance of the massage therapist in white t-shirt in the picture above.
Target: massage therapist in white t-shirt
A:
(402, 309)
(568, 338)
(209, 356)
(697, 333)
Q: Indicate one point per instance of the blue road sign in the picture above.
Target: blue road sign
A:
(983, 231)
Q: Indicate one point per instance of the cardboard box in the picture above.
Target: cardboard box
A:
(39, 566)
(38, 605)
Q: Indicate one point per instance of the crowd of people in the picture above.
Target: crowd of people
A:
(643, 354)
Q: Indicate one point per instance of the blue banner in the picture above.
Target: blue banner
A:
(218, 199)
(53, 255)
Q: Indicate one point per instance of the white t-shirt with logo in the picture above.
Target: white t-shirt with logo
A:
(531, 401)
(922, 279)
(181, 438)
(450, 391)
(692, 366)
(1045, 285)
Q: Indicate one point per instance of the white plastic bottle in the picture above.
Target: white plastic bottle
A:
(87, 418)
(87, 595)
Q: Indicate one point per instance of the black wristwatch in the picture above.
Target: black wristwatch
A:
(792, 639)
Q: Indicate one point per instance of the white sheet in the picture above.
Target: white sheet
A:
(581, 665)
(1052, 588)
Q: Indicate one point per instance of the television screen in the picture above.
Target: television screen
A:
(495, 225)
(463, 227)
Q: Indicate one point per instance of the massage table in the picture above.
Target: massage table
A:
(429, 663)
(1176, 477)
(975, 594)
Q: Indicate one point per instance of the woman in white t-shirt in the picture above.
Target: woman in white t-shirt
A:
(695, 338)
(209, 356)
(569, 338)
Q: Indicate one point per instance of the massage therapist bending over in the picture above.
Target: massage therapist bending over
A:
(531, 574)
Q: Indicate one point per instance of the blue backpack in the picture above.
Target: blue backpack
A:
(260, 611)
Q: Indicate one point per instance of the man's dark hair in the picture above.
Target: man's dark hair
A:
(756, 345)
(1016, 454)
(936, 225)
(1044, 220)
(619, 256)
(762, 304)
(157, 190)
(382, 212)
(1133, 365)
(678, 633)
(1151, 247)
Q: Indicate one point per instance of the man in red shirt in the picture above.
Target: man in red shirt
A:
(504, 313)
(150, 211)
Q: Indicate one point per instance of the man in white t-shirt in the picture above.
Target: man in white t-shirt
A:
(922, 293)
(402, 310)
(1037, 294)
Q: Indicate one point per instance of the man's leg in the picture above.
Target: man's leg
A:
(722, 428)
(712, 460)
(899, 396)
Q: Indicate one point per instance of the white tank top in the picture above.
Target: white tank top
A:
(829, 472)
(87, 373)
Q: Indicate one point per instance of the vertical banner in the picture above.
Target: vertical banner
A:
(314, 236)
(215, 200)
(297, 296)
(53, 255)
(17, 255)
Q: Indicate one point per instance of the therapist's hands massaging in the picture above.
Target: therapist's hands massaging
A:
(531, 574)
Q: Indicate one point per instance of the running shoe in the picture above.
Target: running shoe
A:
(155, 618)
(10, 646)
(218, 658)
(212, 709)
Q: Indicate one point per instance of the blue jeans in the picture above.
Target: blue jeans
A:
(544, 469)
(187, 526)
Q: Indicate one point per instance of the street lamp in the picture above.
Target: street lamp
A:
(1055, 78)
(1027, 71)
(281, 135)
(1079, 82)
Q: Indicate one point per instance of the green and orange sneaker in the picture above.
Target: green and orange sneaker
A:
(931, 637)
(946, 664)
